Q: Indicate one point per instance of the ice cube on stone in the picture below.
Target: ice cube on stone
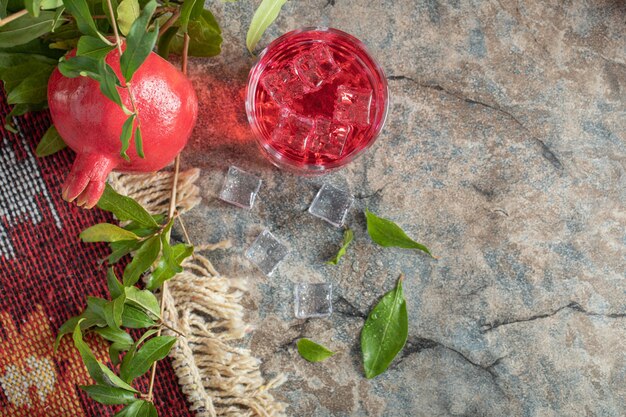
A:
(266, 252)
(283, 85)
(329, 137)
(331, 204)
(293, 131)
(312, 300)
(353, 105)
(316, 66)
(240, 188)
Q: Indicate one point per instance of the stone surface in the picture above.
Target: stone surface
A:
(504, 152)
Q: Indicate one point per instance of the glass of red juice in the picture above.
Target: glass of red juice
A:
(316, 100)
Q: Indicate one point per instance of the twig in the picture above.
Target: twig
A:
(175, 330)
(12, 17)
(185, 52)
(169, 22)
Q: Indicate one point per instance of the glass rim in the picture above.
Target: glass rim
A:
(302, 167)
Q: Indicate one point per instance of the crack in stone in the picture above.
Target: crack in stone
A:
(330, 3)
(546, 152)
(572, 306)
(375, 193)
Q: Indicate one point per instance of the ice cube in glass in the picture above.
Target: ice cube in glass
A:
(353, 105)
(240, 188)
(283, 85)
(312, 300)
(331, 204)
(316, 66)
(266, 252)
(293, 131)
(329, 138)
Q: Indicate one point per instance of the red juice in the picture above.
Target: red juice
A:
(315, 100)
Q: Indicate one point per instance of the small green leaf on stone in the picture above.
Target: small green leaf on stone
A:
(312, 351)
(385, 332)
(263, 17)
(388, 234)
(50, 143)
(348, 235)
(106, 232)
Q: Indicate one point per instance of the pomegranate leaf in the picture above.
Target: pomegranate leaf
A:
(205, 37)
(125, 208)
(388, 234)
(33, 7)
(97, 370)
(385, 332)
(127, 12)
(27, 28)
(139, 42)
(108, 395)
(113, 311)
(139, 143)
(92, 47)
(50, 143)
(312, 351)
(116, 335)
(131, 352)
(191, 10)
(143, 299)
(169, 264)
(348, 235)
(152, 350)
(113, 284)
(143, 259)
(134, 318)
(262, 19)
(80, 10)
(127, 132)
(106, 232)
(79, 66)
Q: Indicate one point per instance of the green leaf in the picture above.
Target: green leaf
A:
(127, 12)
(143, 259)
(138, 409)
(51, 4)
(385, 332)
(33, 7)
(139, 142)
(98, 371)
(92, 316)
(106, 232)
(128, 357)
(109, 83)
(125, 208)
(312, 351)
(262, 19)
(190, 10)
(113, 311)
(115, 335)
(80, 10)
(122, 248)
(50, 143)
(165, 40)
(143, 299)
(108, 395)
(25, 77)
(348, 235)
(169, 265)
(388, 234)
(26, 29)
(113, 284)
(127, 132)
(93, 47)
(205, 38)
(153, 350)
(139, 42)
(79, 66)
(135, 318)
(115, 349)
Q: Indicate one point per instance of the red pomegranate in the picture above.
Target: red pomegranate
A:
(91, 124)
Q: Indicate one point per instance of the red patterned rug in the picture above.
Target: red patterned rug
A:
(46, 274)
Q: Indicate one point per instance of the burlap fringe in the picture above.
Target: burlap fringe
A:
(218, 378)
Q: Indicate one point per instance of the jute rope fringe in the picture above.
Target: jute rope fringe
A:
(218, 378)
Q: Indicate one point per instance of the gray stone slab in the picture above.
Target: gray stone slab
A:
(504, 152)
